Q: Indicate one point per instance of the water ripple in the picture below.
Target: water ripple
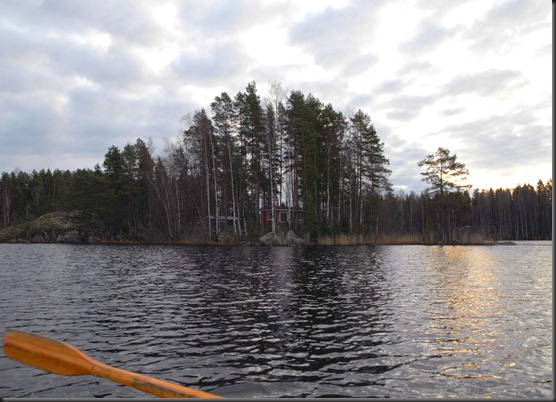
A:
(404, 321)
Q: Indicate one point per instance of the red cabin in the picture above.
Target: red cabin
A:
(284, 215)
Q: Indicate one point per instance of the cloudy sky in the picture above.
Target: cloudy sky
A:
(472, 76)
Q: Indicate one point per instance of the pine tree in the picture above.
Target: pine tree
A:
(224, 121)
(251, 143)
(115, 174)
(372, 173)
(444, 173)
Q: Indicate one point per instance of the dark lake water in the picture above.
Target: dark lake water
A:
(242, 322)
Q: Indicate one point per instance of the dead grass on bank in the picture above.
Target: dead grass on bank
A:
(394, 239)
(355, 240)
(405, 239)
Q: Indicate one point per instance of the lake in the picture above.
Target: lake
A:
(262, 322)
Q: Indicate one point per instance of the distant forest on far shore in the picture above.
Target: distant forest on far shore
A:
(250, 168)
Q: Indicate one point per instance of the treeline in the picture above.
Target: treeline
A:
(293, 158)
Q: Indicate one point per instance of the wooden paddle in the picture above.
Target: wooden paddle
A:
(62, 358)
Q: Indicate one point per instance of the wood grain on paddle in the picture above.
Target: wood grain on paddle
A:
(61, 358)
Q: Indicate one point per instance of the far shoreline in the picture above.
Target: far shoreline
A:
(210, 243)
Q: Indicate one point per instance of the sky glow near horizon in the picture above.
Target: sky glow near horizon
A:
(472, 76)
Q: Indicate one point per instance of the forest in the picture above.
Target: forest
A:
(244, 167)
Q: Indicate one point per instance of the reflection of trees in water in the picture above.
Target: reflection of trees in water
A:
(338, 305)
(295, 311)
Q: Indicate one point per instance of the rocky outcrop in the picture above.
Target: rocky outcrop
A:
(279, 239)
(59, 227)
(55, 227)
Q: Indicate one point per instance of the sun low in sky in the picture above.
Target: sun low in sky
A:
(473, 76)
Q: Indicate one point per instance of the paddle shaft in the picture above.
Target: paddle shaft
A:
(62, 358)
(145, 383)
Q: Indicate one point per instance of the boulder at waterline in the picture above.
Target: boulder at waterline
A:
(271, 239)
(292, 239)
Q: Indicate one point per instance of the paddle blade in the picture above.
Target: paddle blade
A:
(45, 354)
(61, 358)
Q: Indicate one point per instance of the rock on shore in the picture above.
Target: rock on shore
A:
(278, 239)
(58, 227)
(55, 227)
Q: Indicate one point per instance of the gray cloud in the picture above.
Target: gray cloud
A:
(503, 141)
(221, 19)
(390, 86)
(406, 107)
(117, 67)
(417, 68)
(430, 34)
(403, 114)
(439, 8)
(26, 122)
(452, 111)
(485, 83)
(506, 24)
(403, 163)
(334, 36)
(213, 65)
(126, 20)
(36, 60)
(16, 79)
(360, 64)
(111, 116)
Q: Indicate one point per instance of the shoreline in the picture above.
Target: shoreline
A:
(210, 243)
